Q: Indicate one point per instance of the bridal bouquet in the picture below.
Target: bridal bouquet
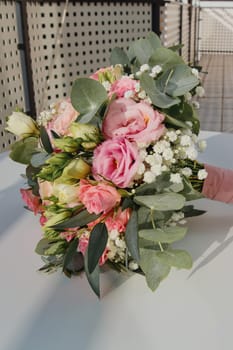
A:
(110, 169)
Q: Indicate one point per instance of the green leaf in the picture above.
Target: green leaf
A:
(81, 219)
(158, 97)
(143, 49)
(22, 150)
(162, 202)
(162, 182)
(175, 122)
(72, 249)
(118, 56)
(190, 211)
(97, 243)
(56, 248)
(87, 96)
(189, 192)
(165, 58)
(45, 140)
(94, 277)
(165, 235)
(155, 269)
(42, 246)
(131, 236)
(177, 258)
(177, 81)
(39, 159)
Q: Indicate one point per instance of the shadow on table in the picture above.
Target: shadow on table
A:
(11, 206)
(68, 317)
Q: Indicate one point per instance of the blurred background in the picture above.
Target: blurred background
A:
(46, 45)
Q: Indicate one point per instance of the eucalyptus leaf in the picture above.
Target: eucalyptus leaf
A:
(177, 81)
(118, 56)
(175, 122)
(162, 182)
(177, 258)
(87, 96)
(38, 159)
(155, 269)
(97, 243)
(131, 236)
(162, 202)
(189, 192)
(158, 97)
(22, 150)
(165, 235)
(45, 140)
(165, 58)
(79, 220)
(94, 277)
(143, 49)
(190, 211)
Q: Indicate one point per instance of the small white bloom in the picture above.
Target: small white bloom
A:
(191, 153)
(141, 169)
(133, 265)
(168, 154)
(188, 96)
(142, 94)
(113, 234)
(202, 145)
(178, 132)
(106, 85)
(52, 105)
(183, 222)
(120, 243)
(129, 94)
(185, 140)
(200, 91)
(138, 74)
(149, 177)
(190, 124)
(53, 111)
(144, 68)
(131, 76)
(195, 72)
(172, 136)
(186, 171)
(160, 146)
(202, 174)
(196, 104)
(150, 159)
(156, 169)
(156, 69)
(175, 178)
(152, 75)
(177, 216)
(164, 168)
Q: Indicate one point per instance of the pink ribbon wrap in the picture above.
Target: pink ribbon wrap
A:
(219, 184)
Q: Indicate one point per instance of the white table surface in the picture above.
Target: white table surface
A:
(191, 310)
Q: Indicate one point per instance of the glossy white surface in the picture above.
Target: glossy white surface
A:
(191, 310)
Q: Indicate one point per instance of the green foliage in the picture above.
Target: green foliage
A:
(165, 235)
(87, 97)
(131, 236)
(93, 277)
(118, 56)
(81, 219)
(49, 247)
(22, 150)
(165, 58)
(45, 140)
(143, 49)
(96, 246)
(177, 258)
(161, 202)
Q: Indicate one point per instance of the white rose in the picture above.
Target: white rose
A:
(21, 125)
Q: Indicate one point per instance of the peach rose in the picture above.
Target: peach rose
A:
(116, 160)
(100, 198)
(137, 122)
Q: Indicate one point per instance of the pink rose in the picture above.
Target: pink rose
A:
(82, 246)
(116, 160)
(119, 220)
(136, 121)
(69, 234)
(33, 202)
(61, 121)
(121, 86)
(98, 198)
